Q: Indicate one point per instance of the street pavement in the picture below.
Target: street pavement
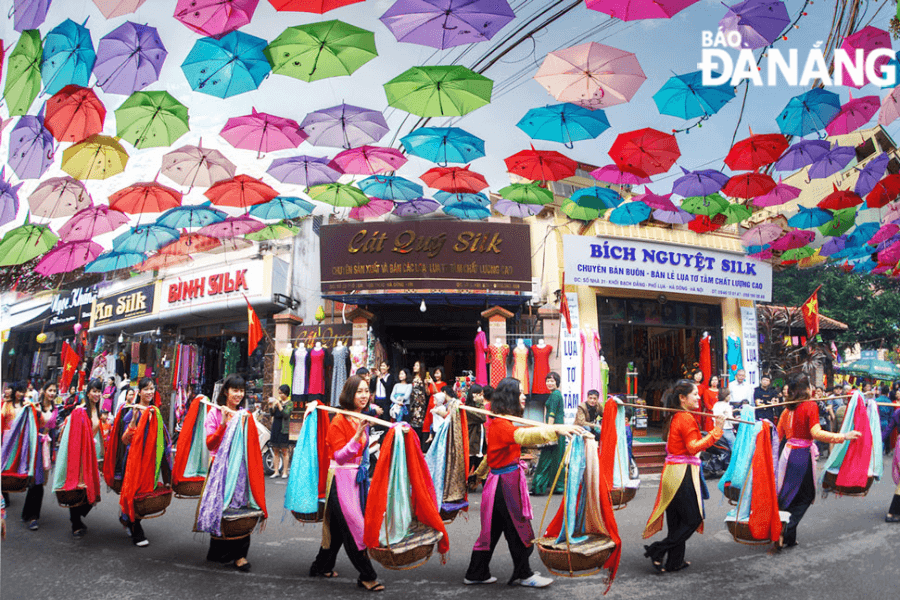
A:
(846, 551)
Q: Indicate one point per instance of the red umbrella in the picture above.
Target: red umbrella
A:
(162, 261)
(454, 179)
(703, 224)
(884, 192)
(540, 165)
(190, 243)
(645, 151)
(839, 199)
(240, 190)
(311, 6)
(748, 185)
(145, 197)
(74, 113)
(756, 151)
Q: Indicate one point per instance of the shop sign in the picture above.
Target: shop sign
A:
(751, 344)
(621, 263)
(73, 306)
(570, 345)
(210, 286)
(129, 304)
(329, 335)
(426, 255)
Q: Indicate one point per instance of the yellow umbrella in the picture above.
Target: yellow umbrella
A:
(97, 157)
(812, 261)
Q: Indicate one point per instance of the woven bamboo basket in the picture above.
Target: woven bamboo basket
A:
(622, 496)
(116, 486)
(71, 498)
(829, 484)
(414, 551)
(188, 488)
(14, 483)
(588, 556)
(732, 494)
(154, 504)
(316, 517)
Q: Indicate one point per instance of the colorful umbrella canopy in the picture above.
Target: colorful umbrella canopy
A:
(444, 24)
(9, 199)
(655, 200)
(841, 222)
(282, 207)
(808, 112)
(262, 132)
(868, 39)
(801, 154)
(615, 174)
(761, 235)
(796, 255)
(215, 18)
(793, 239)
(685, 96)
(162, 261)
(226, 67)
(68, 256)
(527, 193)
(756, 151)
(338, 195)
(630, 213)
(472, 198)
(807, 218)
(303, 170)
(144, 238)
(673, 217)
(195, 165)
(890, 106)
(891, 214)
(580, 213)
(748, 185)
(190, 243)
(853, 115)
(29, 14)
(58, 197)
(391, 187)
(275, 231)
(231, 245)
(23, 78)
(31, 148)
(836, 159)
(90, 222)
(591, 75)
(833, 246)
(596, 197)
(443, 145)
(113, 261)
(129, 58)
(466, 209)
(780, 194)
(344, 126)
(151, 119)
(311, 6)
(373, 209)
(232, 227)
(862, 235)
(416, 208)
(24, 243)
(839, 199)
(454, 179)
(885, 232)
(187, 217)
(709, 205)
(145, 197)
(74, 113)
(97, 157)
(699, 183)
(320, 50)
(118, 8)
(241, 191)
(369, 160)
(438, 91)
(871, 174)
(634, 10)
(540, 165)
(68, 56)
(645, 151)
(759, 22)
(884, 192)
(511, 208)
(565, 123)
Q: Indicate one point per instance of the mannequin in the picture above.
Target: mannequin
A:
(481, 377)
(299, 379)
(358, 356)
(520, 363)
(497, 353)
(340, 356)
(315, 369)
(705, 357)
(590, 356)
(541, 355)
(734, 355)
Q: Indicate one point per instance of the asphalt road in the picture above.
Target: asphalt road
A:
(846, 551)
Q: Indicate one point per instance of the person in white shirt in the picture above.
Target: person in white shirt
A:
(723, 408)
(741, 390)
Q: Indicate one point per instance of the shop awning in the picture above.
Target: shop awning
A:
(432, 300)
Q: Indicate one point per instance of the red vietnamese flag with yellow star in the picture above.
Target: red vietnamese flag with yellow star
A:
(254, 329)
(810, 310)
(70, 363)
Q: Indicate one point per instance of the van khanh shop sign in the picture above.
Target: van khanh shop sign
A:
(122, 306)
(425, 255)
(619, 263)
(214, 285)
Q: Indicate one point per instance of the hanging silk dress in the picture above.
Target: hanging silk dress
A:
(481, 377)
(316, 372)
(520, 366)
(590, 352)
(705, 359)
(551, 456)
(497, 356)
(734, 356)
(541, 368)
(339, 372)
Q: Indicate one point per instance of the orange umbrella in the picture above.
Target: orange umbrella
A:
(190, 243)
(74, 113)
(145, 197)
(241, 191)
(162, 261)
(454, 179)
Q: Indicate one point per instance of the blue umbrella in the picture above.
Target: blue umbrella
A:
(686, 97)
(862, 234)
(228, 66)
(831, 163)
(467, 209)
(31, 147)
(596, 197)
(630, 213)
(448, 197)
(801, 154)
(282, 207)
(871, 174)
(112, 261)
(9, 199)
(391, 187)
(853, 252)
(564, 123)
(186, 217)
(807, 218)
(443, 145)
(68, 57)
(699, 183)
(808, 112)
(144, 238)
(864, 266)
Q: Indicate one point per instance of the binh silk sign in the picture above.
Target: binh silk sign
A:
(215, 285)
(212, 285)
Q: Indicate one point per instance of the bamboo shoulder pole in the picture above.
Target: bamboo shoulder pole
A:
(221, 407)
(355, 415)
(488, 413)
(674, 410)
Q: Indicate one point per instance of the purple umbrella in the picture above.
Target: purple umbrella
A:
(415, 208)
(29, 14)
(833, 245)
(760, 22)
(232, 227)
(344, 126)
(871, 174)
(511, 208)
(31, 147)
(68, 256)
(673, 217)
(88, 223)
(443, 24)
(9, 199)
(832, 162)
(129, 58)
(304, 170)
(699, 183)
(801, 154)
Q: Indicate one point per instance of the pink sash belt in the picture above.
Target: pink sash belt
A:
(682, 459)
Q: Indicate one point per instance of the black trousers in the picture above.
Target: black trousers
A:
(895, 505)
(340, 535)
(501, 524)
(34, 498)
(683, 517)
(77, 513)
(799, 505)
(226, 551)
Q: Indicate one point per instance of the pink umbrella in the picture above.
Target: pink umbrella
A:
(763, 234)
(117, 8)
(614, 174)
(592, 75)
(635, 10)
(891, 214)
(231, 245)
(779, 194)
(884, 233)
(371, 210)
(58, 197)
(369, 160)
(90, 222)
(890, 255)
(890, 108)
(262, 132)
(763, 255)
(656, 201)
(215, 18)
(867, 39)
(232, 227)
(68, 256)
(793, 239)
(853, 115)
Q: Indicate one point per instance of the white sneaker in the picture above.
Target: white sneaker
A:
(143, 543)
(535, 581)
(284, 475)
(476, 582)
(273, 475)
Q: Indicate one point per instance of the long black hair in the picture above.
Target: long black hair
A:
(798, 389)
(505, 400)
(94, 384)
(232, 382)
(672, 399)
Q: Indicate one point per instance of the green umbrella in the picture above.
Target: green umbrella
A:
(736, 213)
(24, 243)
(338, 194)
(23, 81)
(275, 231)
(581, 213)
(871, 367)
(439, 91)
(151, 119)
(320, 50)
(797, 254)
(527, 193)
(708, 206)
(843, 220)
